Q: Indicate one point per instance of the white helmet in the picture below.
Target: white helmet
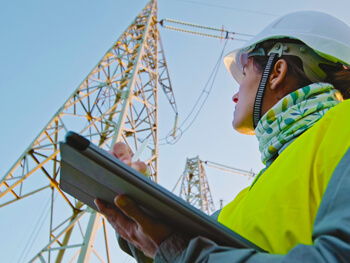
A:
(328, 36)
(327, 41)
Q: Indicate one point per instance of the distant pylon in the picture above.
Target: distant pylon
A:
(195, 187)
(118, 101)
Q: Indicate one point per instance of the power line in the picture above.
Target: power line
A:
(203, 96)
(200, 26)
(225, 34)
(227, 7)
(229, 169)
(35, 232)
(197, 33)
(205, 92)
(170, 137)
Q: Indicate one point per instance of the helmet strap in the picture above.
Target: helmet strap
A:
(262, 87)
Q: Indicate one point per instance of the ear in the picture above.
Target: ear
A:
(278, 74)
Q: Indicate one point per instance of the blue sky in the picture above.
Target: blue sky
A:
(48, 47)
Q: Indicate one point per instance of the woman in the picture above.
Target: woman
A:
(294, 81)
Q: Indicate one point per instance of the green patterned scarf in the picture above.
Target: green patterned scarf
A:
(293, 115)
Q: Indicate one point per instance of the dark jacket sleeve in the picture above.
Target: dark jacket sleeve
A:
(138, 254)
(133, 251)
(331, 234)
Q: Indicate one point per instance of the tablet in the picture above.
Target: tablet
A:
(89, 172)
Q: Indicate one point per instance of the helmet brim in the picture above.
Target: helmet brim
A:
(326, 35)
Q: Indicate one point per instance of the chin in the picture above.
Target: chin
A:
(244, 129)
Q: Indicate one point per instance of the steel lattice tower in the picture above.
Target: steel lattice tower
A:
(195, 187)
(117, 101)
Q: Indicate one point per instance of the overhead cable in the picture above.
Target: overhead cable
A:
(205, 92)
(224, 33)
(229, 169)
(192, 116)
(228, 7)
(204, 27)
(197, 33)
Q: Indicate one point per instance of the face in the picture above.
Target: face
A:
(244, 99)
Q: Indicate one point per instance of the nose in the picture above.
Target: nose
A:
(235, 98)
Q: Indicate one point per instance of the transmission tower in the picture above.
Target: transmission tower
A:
(195, 187)
(117, 101)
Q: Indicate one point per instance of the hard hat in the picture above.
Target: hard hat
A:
(324, 34)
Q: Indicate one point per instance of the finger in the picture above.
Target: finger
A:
(104, 209)
(117, 219)
(122, 152)
(131, 209)
(139, 166)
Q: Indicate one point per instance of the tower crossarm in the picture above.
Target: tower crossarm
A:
(229, 169)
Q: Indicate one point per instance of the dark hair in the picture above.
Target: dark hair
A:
(338, 76)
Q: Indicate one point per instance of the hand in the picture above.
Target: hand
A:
(144, 232)
(130, 222)
(124, 153)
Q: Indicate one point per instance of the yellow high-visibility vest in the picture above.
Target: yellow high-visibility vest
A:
(278, 211)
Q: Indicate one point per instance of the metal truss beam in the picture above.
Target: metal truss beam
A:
(117, 101)
(195, 187)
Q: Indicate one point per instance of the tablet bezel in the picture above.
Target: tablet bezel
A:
(89, 172)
